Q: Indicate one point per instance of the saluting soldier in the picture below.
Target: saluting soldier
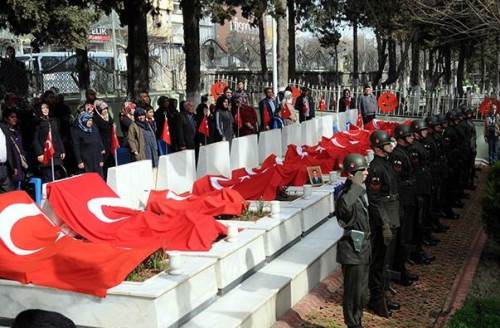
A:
(472, 137)
(354, 249)
(382, 190)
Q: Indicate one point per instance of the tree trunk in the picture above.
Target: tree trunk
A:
(393, 70)
(415, 62)
(460, 71)
(291, 38)
(262, 47)
(137, 48)
(337, 75)
(191, 12)
(381, 58)
(430, 70)
(447, 65)
(83, 70)
(497, 68)
(282, 28)
(355, 63)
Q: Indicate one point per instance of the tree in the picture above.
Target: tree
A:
(57, 22)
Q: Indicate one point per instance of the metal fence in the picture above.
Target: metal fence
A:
(410, 103)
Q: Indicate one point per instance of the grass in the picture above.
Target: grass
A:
(482, 306)
(154, 264)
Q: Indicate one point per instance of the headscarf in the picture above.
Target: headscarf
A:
(82, 120)
(100, 106)
(139, 111)
(127, 108)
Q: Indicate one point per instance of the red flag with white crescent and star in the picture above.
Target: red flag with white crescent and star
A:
(203, 128)
(48, 149)
(34, 250)
(115, 143)
(165, 133)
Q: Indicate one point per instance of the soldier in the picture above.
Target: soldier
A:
(401, 160)
(354, 249)
(471, 132)
(422, 153)
(453, 148)
(382, 190)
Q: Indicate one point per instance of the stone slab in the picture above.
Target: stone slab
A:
(132, 182)
(243, 152)
(275, 288)
(162, 301)
(235, 260)
(327, 123)
(177, 171)
(280, 231)
(270, 143)
(314, 210)
(214, 159)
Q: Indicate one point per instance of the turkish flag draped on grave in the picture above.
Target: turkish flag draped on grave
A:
(218, 202)
(33, 250)
(91, 209)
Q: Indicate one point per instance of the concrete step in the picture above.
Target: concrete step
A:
(272, 290)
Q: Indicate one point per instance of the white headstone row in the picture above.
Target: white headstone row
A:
(178, 171)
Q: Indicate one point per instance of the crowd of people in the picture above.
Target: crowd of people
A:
(82, 140)
(391, 207)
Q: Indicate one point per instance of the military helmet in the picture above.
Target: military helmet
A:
(419, 125)
(451, 115)
(442, 119)
(434, 120)
(402, 131)
(379, 138)
(354, 162)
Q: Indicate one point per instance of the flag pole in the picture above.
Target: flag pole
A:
(240, 120)
(52, 167)
(116, 157)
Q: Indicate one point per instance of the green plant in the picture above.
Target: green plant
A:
(491, 204)
(155, 263)
(477, 313)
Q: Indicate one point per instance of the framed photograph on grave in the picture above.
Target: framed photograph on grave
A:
(315, 175)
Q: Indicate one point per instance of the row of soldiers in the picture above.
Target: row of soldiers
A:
(390, 208)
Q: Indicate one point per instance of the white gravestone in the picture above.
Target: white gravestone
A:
(132, 182)
(270, 143)
(214, 160)
(243, 151)
(308, 133)
(177, 171)
(291, 135)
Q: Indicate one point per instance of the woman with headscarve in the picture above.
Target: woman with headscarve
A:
(224, 119)
(104, 123)
(42, 128)
(126, 118)
(141, 138)
(287, 110)
(87, 144)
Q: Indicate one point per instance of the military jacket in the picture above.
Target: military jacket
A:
(442, 160)
(383, 194)
(420, 158)
(405, 171)
(352, 214)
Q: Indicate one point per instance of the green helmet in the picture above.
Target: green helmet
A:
(419, 125)
(402, 131)
(354, 162)
(379, 138)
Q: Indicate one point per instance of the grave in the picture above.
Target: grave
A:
(177, 171)
(214, 159)
(132, 182)
(243, 151)
(270, 143)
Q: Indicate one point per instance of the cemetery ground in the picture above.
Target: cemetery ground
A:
(460, 289)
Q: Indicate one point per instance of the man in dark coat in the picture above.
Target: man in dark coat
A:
(7, 160)
(353, 249)
(268, 109)
(188, 126)
(305, 105)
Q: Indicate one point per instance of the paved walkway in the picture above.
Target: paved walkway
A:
(424, 303)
